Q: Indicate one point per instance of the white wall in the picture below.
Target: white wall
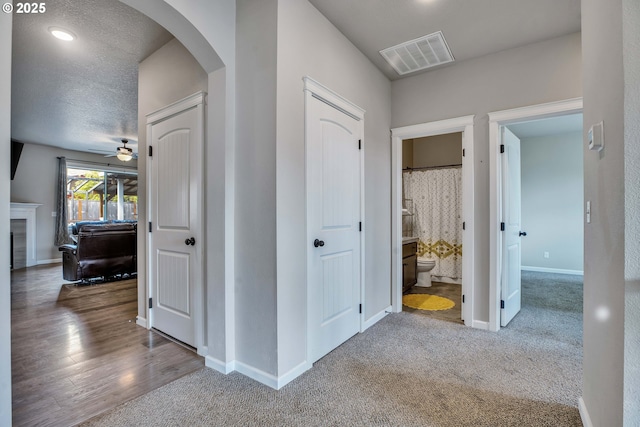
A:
(604, 237)
(631, 47)
(35, 182)
(309, 45)
(5, 169)
(552, 201)
(166, 76)
(533, 74)
(256, 288)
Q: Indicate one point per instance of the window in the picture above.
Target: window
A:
(98, 194)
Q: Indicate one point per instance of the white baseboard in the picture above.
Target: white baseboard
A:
(48, 261)
(141, 321)
(271, 380)
(375, 319)
(294, 373)
(552, 270)
(219, 365)
(258, 375)
(584, 414)
(477, 324)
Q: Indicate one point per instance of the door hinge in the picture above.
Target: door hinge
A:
(359, 144)
(463, 299)
(501, 303)
(501, 148)
(502, 226)
(360, 308)
(464, 225)
(150, 302)
(463, 152)
(150, 151)
(360, 226)
(150, 227)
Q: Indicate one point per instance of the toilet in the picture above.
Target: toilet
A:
(425, 265)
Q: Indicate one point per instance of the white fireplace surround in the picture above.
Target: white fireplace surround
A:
(27, 211)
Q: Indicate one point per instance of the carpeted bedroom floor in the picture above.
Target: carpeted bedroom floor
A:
(407, 370)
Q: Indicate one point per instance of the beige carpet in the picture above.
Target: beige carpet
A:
(407, 370)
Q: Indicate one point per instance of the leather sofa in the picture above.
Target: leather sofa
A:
(102, 250)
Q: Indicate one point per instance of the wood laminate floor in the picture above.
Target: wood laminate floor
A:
(447, 290)
(76, 351)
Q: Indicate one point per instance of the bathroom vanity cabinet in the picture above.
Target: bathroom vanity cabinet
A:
(409, 264)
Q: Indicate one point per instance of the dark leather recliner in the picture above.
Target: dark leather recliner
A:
(102, 250)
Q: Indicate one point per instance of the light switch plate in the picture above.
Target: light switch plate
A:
(596, 137)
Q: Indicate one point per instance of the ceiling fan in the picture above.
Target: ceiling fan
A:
(124, 153)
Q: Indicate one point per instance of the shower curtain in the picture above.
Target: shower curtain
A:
(437, 205)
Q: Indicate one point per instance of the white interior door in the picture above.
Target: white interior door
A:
(333, 215)
(511, 247)
(175, 260)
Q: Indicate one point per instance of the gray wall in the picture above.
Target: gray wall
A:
(5, 167)
(552, 201)
(604, 237)
(631, 47)
(533, 74)
(166, 76)
(309, 45)
(438, 150)
(256, 289)
(35, 182)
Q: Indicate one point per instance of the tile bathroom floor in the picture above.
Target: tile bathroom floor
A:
(446, 290)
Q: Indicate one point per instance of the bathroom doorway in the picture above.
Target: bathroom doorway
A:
(432, 226)
(463, 126)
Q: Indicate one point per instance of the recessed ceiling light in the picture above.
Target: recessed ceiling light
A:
(62, 34)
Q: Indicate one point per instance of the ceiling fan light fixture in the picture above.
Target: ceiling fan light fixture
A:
(125, 157)
(62, 34)
(124, 153)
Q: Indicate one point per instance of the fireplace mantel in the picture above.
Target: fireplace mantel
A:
(27, 211)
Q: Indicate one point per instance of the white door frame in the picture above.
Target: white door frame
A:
(313, 89)
(197, 100)
(460, 124)
(497, 119)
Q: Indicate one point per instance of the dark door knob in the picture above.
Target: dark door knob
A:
(190, 241)
(522, 233)
(317, 243)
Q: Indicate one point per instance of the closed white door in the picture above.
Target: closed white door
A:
(511, 236)
(175, 262)
(333, 215)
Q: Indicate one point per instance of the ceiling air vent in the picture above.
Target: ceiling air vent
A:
(424, 52)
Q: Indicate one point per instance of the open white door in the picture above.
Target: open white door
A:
(333, 225)
(511, 236)
(175, 135)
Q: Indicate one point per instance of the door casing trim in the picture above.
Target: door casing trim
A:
(197, 101)
(497, 119)
(462, 124)
(315, 90)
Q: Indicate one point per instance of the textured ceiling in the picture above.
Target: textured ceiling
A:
(471, 28)
(80, 95)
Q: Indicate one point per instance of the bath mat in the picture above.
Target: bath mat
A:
(427, 302)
